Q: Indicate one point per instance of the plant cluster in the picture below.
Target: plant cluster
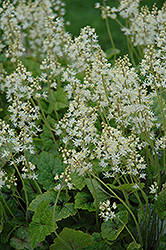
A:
(82, 134)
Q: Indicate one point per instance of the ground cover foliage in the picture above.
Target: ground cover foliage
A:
(82, 130)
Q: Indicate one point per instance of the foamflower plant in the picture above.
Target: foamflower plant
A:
(82, 139)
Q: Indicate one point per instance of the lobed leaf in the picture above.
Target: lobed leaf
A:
(71, 239)
(48, 166)
(42, 223)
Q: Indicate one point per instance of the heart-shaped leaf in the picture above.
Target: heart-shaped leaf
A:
(71, 239)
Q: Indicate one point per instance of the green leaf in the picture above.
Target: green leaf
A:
(60, 100)
(83, 200)
(160, 204)
(48, 167)
(71, 239)
(77, 180)
(65, 211)
(111, 229)
(162, 243)
(134, 246)
(42, 223)
(1, 217)
(20, 240)
(46, 137)
(97, 191)
(49, 196)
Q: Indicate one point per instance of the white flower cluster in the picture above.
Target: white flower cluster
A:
(20, 87)
(11, 36)
(64, 179)
(143, 25)
(28, 170)
(119, 154)
(106, 212)
(54, 46)
(6, 180)
(160, 143)
(130, 103)
(107, 11)
(154, 189)
(27, 18)
(17, 144)
(110, 94)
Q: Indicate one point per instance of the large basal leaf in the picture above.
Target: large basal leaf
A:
(49, 196)
(111, 229)
(42, 223)
(46, 136)
(160, 204)
(97, 191)
(72, 240)
(63, 209)
(48, 167)
(83, 200)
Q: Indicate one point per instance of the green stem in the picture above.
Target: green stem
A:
(96, 204)
(109, 32)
